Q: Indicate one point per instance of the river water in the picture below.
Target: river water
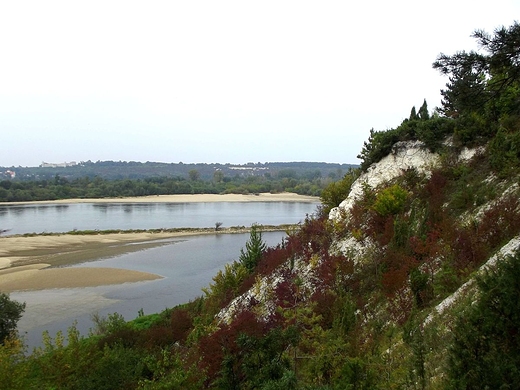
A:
(39, 218)
(187, 264)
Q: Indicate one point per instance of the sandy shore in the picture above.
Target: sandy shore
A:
(40, 277)
(197, 198)
(26, 262)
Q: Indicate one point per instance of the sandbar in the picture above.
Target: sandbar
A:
(187, 198)
(40, 277)
(40, 262)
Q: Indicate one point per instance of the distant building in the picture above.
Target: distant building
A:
(8, 174)
(58, 165)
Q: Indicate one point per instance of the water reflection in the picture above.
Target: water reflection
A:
(61, 207)
(103, 207)
(103, 216)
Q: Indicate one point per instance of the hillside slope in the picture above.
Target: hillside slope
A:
(376, 287)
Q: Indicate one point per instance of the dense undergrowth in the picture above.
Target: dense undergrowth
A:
(349, 303)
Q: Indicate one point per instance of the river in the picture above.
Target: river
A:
(39, 218)
(187, 264)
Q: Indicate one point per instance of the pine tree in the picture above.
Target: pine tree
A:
(423, 112)
(254, 249)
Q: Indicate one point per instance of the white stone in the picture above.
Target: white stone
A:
(405, 155)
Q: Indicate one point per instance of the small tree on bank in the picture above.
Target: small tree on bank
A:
(255, 247)
(10, 313)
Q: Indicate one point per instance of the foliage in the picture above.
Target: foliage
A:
(486, 346)
(336, 192)
(109, 324)
(430, 129)
(390, 201)
(225, 284)
(255, 247)
(482, 94)
(121, 179)
(13, 373)
(504, 151)
(484, 81)
(10, 313)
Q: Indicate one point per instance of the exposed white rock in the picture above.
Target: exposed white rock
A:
(354, 249)
(261, 293)
(507, 250)
(467, 154)
(405, 155)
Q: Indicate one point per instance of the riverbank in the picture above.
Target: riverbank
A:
(26, 262)
(195, 198)
(36, 262)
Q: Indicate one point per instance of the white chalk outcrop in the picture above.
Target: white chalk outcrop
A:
(508, 249)
(405, 155)
(260, 298)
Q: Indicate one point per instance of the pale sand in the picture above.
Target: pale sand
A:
(39, 277)
(24, 260)
(196, 198)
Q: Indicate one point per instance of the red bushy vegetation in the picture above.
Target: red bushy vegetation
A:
(215, 346)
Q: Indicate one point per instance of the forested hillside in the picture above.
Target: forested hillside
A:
(122, 179)
(408, 277)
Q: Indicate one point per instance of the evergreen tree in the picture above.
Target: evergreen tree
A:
(413, 114)
(255, 247)
(478, 81)
(423, 112)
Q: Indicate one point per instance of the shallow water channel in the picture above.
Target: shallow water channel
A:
(187, 265)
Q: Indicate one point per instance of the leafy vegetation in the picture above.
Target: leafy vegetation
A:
(92, 180)
(10, 313)
(486, 347)
(382, 299)
(334, 193)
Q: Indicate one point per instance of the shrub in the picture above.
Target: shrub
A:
(337, 192)
(10, 313)
(486, 349)
(390, 201)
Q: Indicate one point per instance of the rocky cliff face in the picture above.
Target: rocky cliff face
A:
(406, 156)
(401, 251)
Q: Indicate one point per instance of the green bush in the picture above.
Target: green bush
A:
(390, 201)
(486, 349)
(336, 192)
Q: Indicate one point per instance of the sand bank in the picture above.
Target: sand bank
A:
(66, 249)
(40, 277)
(25, 261)
(196, 198)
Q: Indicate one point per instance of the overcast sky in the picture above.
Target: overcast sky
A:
(221, 81)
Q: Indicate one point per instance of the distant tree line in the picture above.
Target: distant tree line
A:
(113, 170)
(62, 188)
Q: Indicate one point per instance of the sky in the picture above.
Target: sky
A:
(221, 81)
